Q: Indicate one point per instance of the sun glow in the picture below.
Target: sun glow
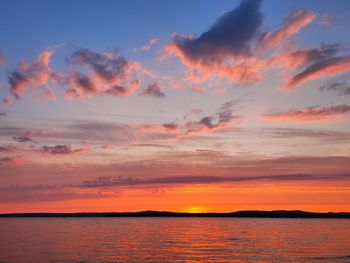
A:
(195, 209)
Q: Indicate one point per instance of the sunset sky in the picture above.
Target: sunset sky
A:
(174, 105)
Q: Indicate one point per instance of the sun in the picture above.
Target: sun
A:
(195, 209)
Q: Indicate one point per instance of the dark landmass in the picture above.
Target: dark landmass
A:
(246, 214)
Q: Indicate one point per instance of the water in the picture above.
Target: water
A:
(174, 240)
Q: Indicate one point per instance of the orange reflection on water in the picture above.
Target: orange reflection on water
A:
(173, 240)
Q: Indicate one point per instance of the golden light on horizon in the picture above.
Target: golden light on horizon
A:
(196, 209)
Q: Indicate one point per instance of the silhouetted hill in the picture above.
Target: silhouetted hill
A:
(246, 214)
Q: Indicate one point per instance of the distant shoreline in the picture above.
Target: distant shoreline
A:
(238, 214)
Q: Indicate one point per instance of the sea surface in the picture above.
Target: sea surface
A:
(174, 240)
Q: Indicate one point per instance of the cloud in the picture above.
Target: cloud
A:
(309, 114)
(79, 85)
(110, 73)
(62, 150)
(8, 148)
(323, 68)
(32, 75)
(291, 25)
(223, 119)
(7, 102)
(326, 19)
(322, 135)
(230, 38)
(151, 145)
(342, 88)
(43, 193)
(11, 160)
(110, 181)
(2, 115)
(303, 57)
(166, 127)
(26, 137)
(148, 45)
(2, 59)
(153, 90)
(170, 126)
(22, 138)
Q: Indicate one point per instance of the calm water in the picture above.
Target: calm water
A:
(173, 240)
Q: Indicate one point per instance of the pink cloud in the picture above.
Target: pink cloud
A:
(326, 19)
(225, 48)
(291, 26)
(107, 146)
(197, 88)
(11, 160)
(303, 57)
(167, 127)
(323, 68)
(7, 102)
(2, 59)
(109, 74)
(32, 75)
(309, 114)
(148, 45)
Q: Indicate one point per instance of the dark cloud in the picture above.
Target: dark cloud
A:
(224, 48)
(62, 150)
(342, 88)
(110, 181)
(2, 114)
(22, 138)
(153, 90)
(8, 148)
(110, 74)
(231, 34)
(222, 119)
(304, 57)
(79, 85)
(26, 137)
(170, 126)
(108, 67)
(323, 68)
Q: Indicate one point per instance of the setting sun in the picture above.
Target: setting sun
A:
(196, 209)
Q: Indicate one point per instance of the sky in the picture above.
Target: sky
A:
(194, 106)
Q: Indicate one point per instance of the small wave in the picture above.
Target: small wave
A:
(335, 257)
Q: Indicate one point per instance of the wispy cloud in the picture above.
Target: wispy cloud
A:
(323, 68)
(309, 114)
(291, 25)
(188, 180)
(148, 45)
(62, 150)
(342, 88)
(153, 90)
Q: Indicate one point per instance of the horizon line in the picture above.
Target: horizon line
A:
(153, 213)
